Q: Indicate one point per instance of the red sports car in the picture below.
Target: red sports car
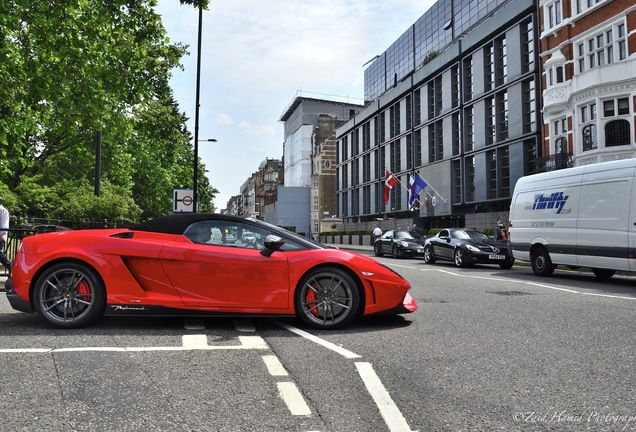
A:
(187, 265)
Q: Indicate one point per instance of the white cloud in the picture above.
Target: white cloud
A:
(257, 54)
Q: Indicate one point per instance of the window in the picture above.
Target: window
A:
(457, 131)
(491, 160)
(529, 107)
(418, 148)
(617, 133)
(502, 60)
(455, 86)
(589, 137)
(553, 13)
(436, 141)
(527, 45)
(468, 78)
(417, 108)
(490, 120)
(470, 178)
(435, 97)
(457, 182)
(502, 116)
(604, 47)
(585, 5)
(489, 66)
(469, 130)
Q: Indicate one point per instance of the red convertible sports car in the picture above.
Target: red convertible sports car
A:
(189, 265)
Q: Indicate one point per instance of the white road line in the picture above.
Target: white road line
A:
(274, 366)
(541, 285)
(389, 411)
(190, 343)
(338, 349)
(294, 400)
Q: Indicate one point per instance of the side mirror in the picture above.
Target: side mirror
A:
(272, 243)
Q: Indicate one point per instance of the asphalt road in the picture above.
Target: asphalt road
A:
(487, 350)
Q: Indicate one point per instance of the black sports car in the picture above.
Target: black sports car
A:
(466, 248)
(399, 243)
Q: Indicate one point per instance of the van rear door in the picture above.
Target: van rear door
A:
(604, 228)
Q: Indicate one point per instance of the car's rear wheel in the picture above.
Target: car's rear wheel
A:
(460, 258)
(603, 274)
(541, 262)
(69, 295)
(428, 255)
(377, 249)
(327, 298)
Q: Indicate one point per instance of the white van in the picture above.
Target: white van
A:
(578, 217)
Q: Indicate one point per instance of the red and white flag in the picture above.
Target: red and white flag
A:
(388, 185)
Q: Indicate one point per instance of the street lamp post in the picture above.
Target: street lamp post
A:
(195, 192)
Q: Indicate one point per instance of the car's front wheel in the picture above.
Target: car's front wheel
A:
(428, 255)
(460, 258)
(396, 251)
(507, 264)
(327, 298)
(69, 295)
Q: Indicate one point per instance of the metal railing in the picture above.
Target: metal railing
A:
(553, 162)
(14, 240)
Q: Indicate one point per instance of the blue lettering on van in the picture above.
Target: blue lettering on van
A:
(555, 200)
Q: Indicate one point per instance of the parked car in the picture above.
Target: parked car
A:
(399, 243)
(466, 248)
(169, 267)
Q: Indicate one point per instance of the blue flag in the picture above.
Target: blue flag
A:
(416, 186)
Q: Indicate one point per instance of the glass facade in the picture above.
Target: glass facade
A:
(469, 127)
(434, 31)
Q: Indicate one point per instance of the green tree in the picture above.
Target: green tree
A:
(72, 68)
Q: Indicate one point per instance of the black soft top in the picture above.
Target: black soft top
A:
(177, 223)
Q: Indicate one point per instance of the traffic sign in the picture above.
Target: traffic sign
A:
(182, 201)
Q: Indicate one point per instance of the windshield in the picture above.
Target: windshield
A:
(469, 234)
(403, 235)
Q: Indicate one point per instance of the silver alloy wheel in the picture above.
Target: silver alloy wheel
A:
(459, 258)
(428, 255)
(327, 298)
(69, 295)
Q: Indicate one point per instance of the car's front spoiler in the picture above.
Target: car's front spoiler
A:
(408, 306)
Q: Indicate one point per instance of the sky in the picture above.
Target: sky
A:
(258, 55)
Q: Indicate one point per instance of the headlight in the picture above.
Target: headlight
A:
(404, 244)
(472, 248)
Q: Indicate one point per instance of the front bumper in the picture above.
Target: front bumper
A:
(408, 306)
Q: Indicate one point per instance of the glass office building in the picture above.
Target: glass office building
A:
(454, 100)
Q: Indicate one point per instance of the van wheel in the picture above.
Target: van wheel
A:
(603, 274)
(541, 263)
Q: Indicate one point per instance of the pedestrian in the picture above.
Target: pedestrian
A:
(377, 232)
(4, 226)
(499, 231)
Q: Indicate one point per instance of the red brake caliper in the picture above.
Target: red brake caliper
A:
(310, 298)
(83, 289)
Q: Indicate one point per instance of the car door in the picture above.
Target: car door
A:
(227, 277)
(386, 242)
(443, 247)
